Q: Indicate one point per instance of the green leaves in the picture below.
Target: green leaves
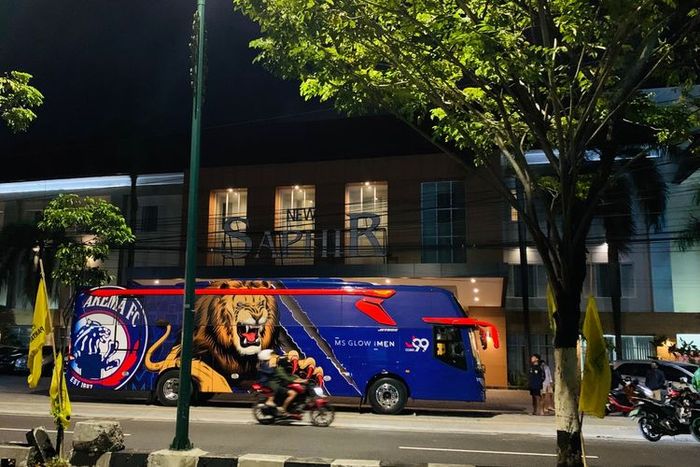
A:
(17, 98)
(90, 226)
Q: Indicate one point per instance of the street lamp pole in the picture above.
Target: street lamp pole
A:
(181, 441)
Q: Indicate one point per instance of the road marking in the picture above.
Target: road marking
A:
(478, 451)
(24, 430)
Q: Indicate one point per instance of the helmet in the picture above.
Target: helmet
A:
(265, 355)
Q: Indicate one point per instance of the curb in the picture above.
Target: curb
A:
(198, 458)
(16, 455)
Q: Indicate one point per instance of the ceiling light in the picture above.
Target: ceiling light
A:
(473, 281)
(476, 299)
(156, 282)
(296, 187)
(476, 290)
(388, 281)
(229, 190)
(368, 183)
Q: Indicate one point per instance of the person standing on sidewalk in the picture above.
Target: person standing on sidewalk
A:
(547, 388)
(535, 379)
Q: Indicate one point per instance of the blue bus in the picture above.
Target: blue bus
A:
(383, 344)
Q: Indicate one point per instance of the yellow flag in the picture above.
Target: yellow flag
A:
(551, 308)
(60, 404)
(596, 370)
(41, 327)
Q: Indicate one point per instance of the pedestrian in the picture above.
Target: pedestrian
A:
(547, 388)
(655, 380)
(615, 378)
(535, 381)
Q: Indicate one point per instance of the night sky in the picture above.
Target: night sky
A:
(115, 76)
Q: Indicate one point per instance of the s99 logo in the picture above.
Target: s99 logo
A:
(417, 345)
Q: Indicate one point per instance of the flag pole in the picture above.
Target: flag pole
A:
(59, 425)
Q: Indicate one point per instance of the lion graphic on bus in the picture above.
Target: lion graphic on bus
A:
(230, 331)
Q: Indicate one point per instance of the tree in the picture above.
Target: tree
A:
(88, 228)
(498, 79)
(17, 98)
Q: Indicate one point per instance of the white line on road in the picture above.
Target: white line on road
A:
(478, 451)
(24, 430)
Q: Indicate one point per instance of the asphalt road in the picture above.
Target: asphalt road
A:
(466, 438)
(389, 446)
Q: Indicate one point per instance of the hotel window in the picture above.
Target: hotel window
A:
(229, 206)
(366, 221)
(536, 277)
(149, 218)
(601, 275)
(295, 210)
(443, 220)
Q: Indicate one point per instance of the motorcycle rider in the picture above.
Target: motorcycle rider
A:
(274, 375)
(695, 382)
(655, 380)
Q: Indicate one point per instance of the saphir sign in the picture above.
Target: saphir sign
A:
(325, 243)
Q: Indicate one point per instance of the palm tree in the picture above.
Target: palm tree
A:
(643, 188)
(690, 235)
(18, 262)
(17, 273)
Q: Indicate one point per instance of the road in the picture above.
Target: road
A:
(469, 438)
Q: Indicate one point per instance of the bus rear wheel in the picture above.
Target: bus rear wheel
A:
(388, 396)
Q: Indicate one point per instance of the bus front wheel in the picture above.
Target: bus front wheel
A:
(388, 396)
(168, 388)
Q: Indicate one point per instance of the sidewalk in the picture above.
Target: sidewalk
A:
(504, 412)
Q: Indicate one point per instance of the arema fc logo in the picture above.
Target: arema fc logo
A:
(109, 342)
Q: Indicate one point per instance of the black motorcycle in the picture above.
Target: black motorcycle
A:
(678, 415)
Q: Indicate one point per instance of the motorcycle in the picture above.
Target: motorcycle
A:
(623, 400)
(678, 415)
(309, 398)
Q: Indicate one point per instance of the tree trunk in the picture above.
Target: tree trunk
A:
(567, 384)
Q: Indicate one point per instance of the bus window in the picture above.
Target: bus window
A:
(449, 347)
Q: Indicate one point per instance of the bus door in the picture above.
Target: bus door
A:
(458, 341)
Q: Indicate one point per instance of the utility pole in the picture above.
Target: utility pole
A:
(181, 441)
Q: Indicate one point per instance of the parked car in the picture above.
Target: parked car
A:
(8, 356)
(13, 359)
(637, 369)
(14, 349)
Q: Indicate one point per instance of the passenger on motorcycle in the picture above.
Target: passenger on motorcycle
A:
(274, 375)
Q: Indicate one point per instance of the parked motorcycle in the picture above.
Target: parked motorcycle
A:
(623, 400)
(677, 415)
(310, 398)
